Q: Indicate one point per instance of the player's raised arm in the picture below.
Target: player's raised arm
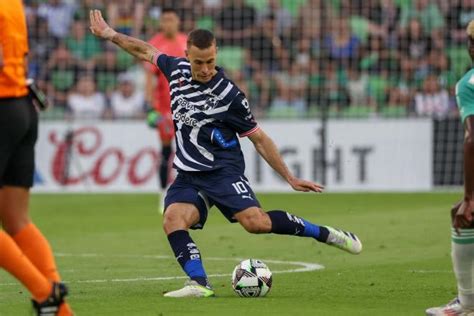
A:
(269, 151)
(138, 48)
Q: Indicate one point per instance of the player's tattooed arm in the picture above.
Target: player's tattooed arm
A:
(269, 151)
(138, 48)
(463, 216)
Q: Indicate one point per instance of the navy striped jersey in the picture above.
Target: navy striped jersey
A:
(207, 118)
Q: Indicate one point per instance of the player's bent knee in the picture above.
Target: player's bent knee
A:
(180, 216)
(255, 222)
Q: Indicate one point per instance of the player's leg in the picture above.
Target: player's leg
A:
(254, 220)
(16, 177)
(27, 236)
(48, 297)
(185, 209)
(166, 133)
(462, 255)
(236, 200)
(17, 264)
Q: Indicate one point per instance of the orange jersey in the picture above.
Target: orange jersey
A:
(175, 48)
(14, 45)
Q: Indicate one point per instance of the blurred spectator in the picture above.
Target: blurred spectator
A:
(460, 13)
(432, 100)
(41, 46)
(386, 14)
(414, 46)
(81, 43)
(59, 15)
(427, 12)
(127, 101)
(266, 50)
(106, 70)
(358, 87)
(85, 101)
(312, 21)
(361, 16)
(126, 16)
(84, 6)
(234, 23)
(60, 75)
(291, 90)
(335, 94)
(188, 11)
(283, 18)
(341, 44)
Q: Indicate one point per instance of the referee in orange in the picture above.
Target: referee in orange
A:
(24, 251)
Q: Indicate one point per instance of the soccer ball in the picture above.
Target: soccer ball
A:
(251, 278)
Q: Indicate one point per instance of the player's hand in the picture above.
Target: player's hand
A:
(99, 27)
(305, 186)
(153, 118)
(462, 214)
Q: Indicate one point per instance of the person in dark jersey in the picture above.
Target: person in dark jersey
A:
(209, 111)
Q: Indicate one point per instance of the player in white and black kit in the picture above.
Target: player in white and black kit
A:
(209, 111)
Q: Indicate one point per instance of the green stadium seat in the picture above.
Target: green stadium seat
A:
(377, 88)
(293, 6)
(356, 111)
(282, 113)
(394, 111)
(259, 5)
(459, 60)
(231, 57)
(54, 113)
(205, 22)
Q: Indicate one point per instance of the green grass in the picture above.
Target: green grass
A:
(404, 268)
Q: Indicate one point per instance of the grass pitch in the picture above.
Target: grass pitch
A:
(116, 259)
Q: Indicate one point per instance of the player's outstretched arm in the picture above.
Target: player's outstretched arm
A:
(463, 217)
(269, 151)
(138, 48)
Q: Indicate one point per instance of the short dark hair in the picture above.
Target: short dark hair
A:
(201, 38)
(169, 10)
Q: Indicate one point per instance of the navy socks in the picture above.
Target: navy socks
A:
(284, 223)
(188, 256)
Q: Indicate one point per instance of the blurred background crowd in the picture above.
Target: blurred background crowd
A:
(355, 58)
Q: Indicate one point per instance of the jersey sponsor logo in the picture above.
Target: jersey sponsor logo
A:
(185, 119)
(185, 104)
(211, 103)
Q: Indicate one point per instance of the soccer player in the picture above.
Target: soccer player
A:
(208, 112)
(462, 237)
(171, 42)
(24, 251)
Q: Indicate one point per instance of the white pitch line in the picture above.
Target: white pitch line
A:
(304, 267)
(430, 271)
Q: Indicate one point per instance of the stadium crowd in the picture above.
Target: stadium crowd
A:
(292, 58)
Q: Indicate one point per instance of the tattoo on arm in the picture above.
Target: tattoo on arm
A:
(138, 48)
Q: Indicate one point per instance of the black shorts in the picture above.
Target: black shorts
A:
(18, 134)
(231, 193)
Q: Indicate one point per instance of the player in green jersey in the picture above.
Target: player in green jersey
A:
(462, 244)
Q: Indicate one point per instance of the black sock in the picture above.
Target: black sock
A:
(188, 256)
(284, 223)
(163, 168)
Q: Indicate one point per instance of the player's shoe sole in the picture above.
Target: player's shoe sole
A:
(453, 308)
(191, 289)
(343, 240)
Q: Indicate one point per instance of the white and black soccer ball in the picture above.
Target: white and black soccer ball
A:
(252, 278)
